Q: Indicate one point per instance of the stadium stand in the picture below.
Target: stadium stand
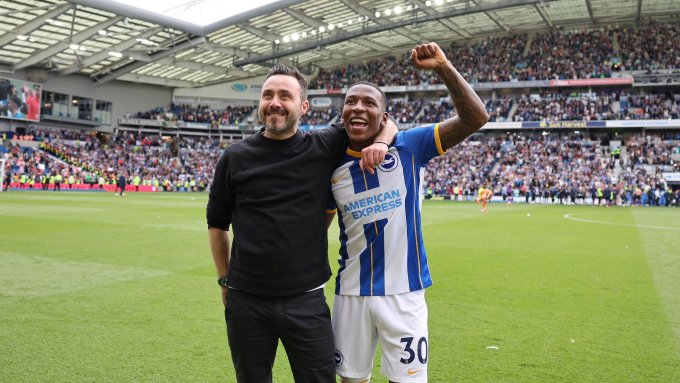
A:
(532, 165)
(202, 114)
(550, 55)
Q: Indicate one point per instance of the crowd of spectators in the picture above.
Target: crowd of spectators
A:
(550, 55)
(318, 116)
(646, 106)
(614, 105)
(490, 60)
(231, 115)
(568, 55)
(436, 111)
(556, 169)
(180, 163)
(651, 48)
(462, 169)
(569, 168)
(555, 105)
(499, 109)
(403, 111)
(564, 107)
(653, 150)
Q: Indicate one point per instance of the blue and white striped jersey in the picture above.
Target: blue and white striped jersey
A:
(381, 243)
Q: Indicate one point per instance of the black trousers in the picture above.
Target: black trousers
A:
(303, 324)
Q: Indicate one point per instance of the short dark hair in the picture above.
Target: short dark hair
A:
(280, 69)
(16, 100)
(383, 98)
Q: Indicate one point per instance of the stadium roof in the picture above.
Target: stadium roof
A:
(109, 40)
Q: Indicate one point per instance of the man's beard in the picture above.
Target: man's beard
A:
(275, 129)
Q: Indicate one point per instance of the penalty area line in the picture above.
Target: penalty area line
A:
(571, 217)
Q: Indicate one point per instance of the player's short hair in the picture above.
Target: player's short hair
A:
(383, 98)
(280, 69)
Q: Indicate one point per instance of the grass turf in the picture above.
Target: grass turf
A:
(101, 288)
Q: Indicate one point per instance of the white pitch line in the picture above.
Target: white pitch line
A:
(570, 216)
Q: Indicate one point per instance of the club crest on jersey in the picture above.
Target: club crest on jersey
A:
(391, 162)
(339, 358)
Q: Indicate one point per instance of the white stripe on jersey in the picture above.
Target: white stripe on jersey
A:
(382, 251)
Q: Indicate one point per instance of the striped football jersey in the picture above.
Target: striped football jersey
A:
(381, 243)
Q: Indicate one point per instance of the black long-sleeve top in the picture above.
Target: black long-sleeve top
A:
(274, 194)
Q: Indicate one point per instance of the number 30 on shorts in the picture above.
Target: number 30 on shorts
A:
(421, 350)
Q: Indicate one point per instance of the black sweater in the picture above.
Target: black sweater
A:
(274, 193)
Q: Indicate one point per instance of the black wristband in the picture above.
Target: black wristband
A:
(382, 142)
(222, 281)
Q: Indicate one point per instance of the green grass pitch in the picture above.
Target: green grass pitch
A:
(100, 288)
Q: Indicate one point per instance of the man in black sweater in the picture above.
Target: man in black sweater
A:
(273, 188)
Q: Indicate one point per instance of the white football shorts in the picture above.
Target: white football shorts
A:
(398, 322)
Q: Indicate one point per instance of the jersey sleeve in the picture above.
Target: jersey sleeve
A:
(221, 198)
(423, 142)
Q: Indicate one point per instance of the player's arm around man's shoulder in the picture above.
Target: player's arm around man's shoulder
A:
(374, 155)
(471, 114)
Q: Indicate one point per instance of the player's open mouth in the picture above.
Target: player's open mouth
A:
(358, 122)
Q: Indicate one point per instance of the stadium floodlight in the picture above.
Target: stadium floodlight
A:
(74, 47)
(331, 27)
(428, 3)
(377, 13)
(295, 36)
(397, 10)
(349, 22)
(102, 32)
(277, 41)
(303, 34)
(388, 12)
(147, 42)
(115, 54)
(322, 29)
(22, 37)
(438, 2)
(286, 39)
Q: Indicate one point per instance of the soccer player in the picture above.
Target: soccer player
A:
(383, 267)
(485, 195)
(272, 187)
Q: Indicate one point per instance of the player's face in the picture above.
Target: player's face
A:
(363, 115)
(281, 106)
